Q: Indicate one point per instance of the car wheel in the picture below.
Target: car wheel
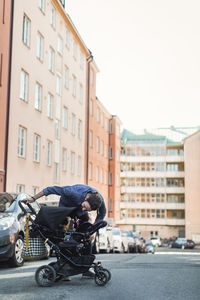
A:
(17, 259)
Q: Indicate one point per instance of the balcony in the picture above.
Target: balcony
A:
(152, 189)
(152, 174)
(152, 205)
(152, 221)
(166, 158)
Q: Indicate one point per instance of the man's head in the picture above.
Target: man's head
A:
(92, 201)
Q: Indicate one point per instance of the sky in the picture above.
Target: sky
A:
(148, 54)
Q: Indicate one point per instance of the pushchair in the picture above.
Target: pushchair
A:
(69, 241)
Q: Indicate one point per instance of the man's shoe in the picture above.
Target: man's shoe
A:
(88, 275)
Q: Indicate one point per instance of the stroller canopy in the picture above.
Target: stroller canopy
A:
(52, 217)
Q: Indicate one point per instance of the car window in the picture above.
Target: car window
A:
(116, 232)
(7, 202)
(129, 233)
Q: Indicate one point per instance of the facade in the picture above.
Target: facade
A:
(103, 148)
(192, 190)
(6, 8)
(47, 99)
(153, 183)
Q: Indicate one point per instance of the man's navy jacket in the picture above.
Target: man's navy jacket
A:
(73, 196)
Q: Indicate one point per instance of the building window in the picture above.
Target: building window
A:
(58, 84)
(64, 159)
(97, 145)
(67, 36)
(110, 205)
(66, 77)
(51, 60)
(73, 127)
(53, 17)
(90, 171)
(36, 148)
(57, 129)
(60, 45)
(110, 153)
(41, 5)
(20, 188)
(98, 115)
(91, 107)
(80, 93)
(24, 85)
(65, 118)
(49, 153)
(110, 178)
(38, 97)
(97, 174)
(79, 129)
(26, 31)
(102, 148)
(22, 134)
(40, 47)
(106, 151)
(81, 60)
(91, 77)
(35, 190)
(101, 176)
(79, 166)
(56, 172)
(91, 139)
(72, 162)
(74, 86)
(106, 125)
(75, 50)
(110, 127)
(50, 106)
(102, 120)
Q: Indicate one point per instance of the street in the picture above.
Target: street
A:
(165, 275)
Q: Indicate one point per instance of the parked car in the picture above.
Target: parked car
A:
(182, 243)
(149, 247)
(104, 240)
(12, 226)
(128, 241)
(156, 241)
(117, 240)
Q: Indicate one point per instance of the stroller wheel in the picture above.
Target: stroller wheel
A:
(58, 277)
(107, 273)
(45, 275)
(101, 278)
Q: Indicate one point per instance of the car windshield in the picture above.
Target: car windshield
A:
(149, 244)
(154, 238)
(129, 233)
(7, 202)
(116, 232)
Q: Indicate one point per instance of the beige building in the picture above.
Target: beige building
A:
(153, 182)
(192, 186)
(47, 99)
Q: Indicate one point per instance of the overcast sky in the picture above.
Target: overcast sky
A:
(148, 53)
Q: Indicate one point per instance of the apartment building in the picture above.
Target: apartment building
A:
(192, 190)
(46, 144)
(6, 9)
(103, 148)
(153, 182)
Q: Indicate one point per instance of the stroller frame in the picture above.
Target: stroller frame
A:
(65, 266)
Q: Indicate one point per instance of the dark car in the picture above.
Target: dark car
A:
(182, 243)
(12, 225)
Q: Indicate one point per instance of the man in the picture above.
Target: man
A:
(83, 197)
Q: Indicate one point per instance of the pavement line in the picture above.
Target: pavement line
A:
(177, 253)
(14, 275)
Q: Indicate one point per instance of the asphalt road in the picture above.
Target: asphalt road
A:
(165, 275)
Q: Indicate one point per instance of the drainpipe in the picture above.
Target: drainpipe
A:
(8, 93)
(89, 60)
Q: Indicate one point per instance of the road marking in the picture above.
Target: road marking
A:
(178, 253)
(14, 275)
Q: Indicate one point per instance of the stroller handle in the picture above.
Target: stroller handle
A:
(97, 226)
(29, 206)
